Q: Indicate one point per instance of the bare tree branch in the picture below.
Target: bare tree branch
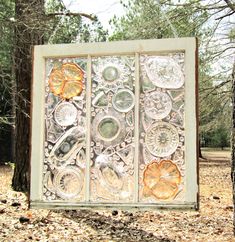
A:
(226, 15)
(89, 16)
(230, 4)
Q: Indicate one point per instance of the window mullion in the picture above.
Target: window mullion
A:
(88, 131)
(136, 137)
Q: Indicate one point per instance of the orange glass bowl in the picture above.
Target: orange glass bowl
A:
(161, 179)
(66, 81)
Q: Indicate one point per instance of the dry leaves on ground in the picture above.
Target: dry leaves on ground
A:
(212, 223)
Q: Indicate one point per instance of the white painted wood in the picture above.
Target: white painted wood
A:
(136, 141)
(115, 47)
(190, 123)
(123, 206)
(88, 130)
(37, 126)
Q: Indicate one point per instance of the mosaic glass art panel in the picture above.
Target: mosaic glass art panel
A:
(65, 131)
(112, 132)
(162, 162)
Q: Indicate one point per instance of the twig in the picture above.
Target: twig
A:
(89, 16)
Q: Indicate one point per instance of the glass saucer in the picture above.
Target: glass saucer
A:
(124, 100)
(157, 105)
(162, 139)
(65, 114)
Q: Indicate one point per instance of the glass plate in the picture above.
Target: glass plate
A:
(66, 81)
(65, 114)
(68, 182)
(162, 139)
(123, 100)
(108, 128)
(157, 105)
(164, 72)
(162, 179)
(110, 73)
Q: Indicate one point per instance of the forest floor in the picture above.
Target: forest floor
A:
(213, 222)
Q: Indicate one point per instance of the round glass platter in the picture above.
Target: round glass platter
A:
(162, 139)
(65, 114)
(157, 105)
(164, 72)
(123, 100)
(68, 182)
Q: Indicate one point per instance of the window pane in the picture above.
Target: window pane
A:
(65, 114)
(112, 156)
(162, 165)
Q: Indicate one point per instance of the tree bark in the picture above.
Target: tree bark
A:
(233, 145)
(200, 151)
(28, 32)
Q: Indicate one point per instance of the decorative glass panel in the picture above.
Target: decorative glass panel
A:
(112, 112)
(65, 131)
(162, 164)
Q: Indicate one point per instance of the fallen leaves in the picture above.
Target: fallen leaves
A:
(212, 223)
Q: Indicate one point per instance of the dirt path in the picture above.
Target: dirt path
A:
(212, 223)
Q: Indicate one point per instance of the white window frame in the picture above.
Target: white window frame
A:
(89, 50)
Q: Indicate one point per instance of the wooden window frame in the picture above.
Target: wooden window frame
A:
(136, 48)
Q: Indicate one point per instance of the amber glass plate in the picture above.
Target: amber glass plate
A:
(66, 81)
(161, 180)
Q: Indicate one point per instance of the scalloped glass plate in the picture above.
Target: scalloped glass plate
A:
(161, 180)
(66, 80)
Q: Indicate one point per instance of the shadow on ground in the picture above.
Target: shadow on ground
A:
(113, 227)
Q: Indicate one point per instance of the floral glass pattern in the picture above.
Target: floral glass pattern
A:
(161, 179)
(66, 80)
(64, 163)
(161, 165)
(113, 134)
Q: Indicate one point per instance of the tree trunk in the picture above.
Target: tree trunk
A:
(200, 152)
(233, 145)
(28, 16)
